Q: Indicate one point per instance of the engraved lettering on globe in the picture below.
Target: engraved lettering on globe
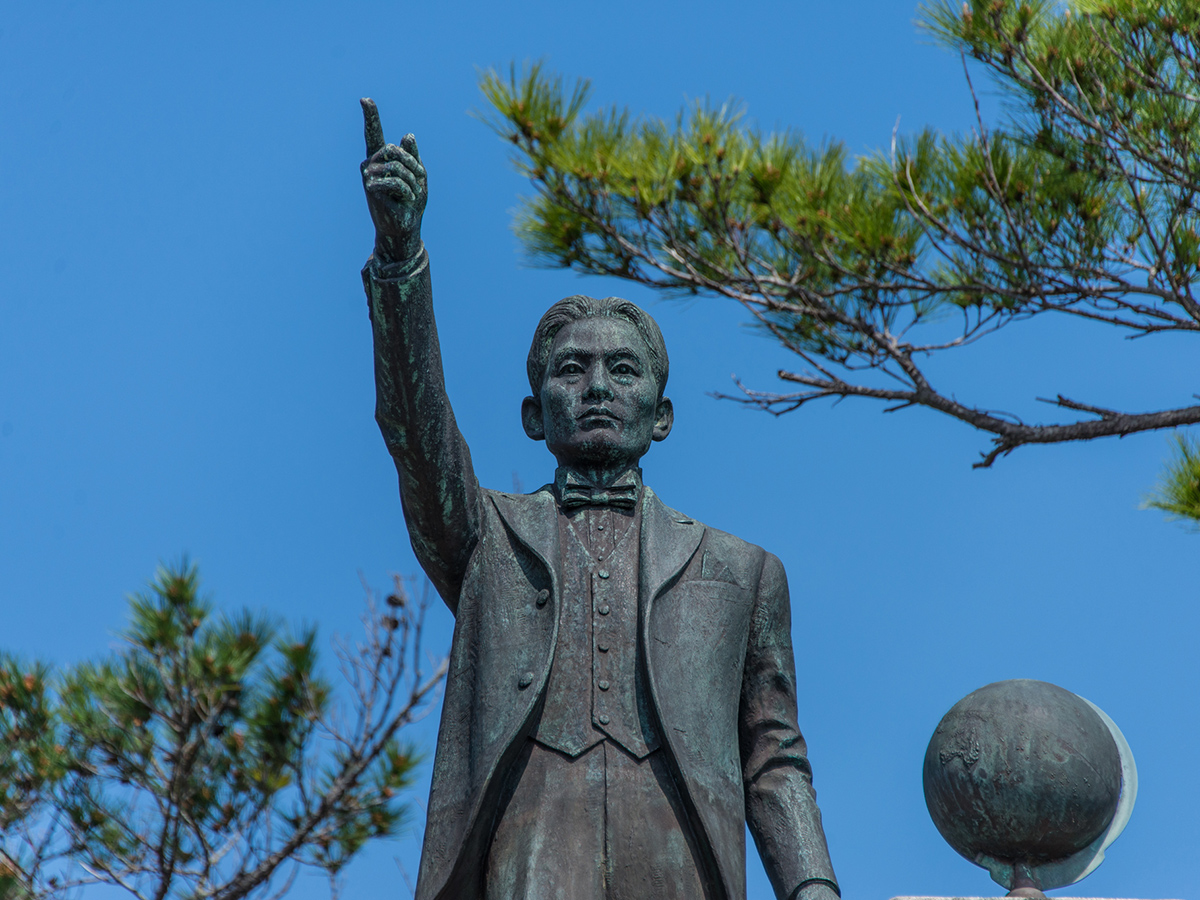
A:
(1023, 771)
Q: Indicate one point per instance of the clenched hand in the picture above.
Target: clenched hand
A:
(396, 188)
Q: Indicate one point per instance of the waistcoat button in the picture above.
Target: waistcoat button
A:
(604, 610)
(603, 685)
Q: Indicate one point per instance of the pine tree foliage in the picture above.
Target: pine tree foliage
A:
(31, 763)
(209, 757)
(1082, 203)
(1178, 492)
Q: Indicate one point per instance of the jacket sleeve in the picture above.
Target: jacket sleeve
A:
(781, 805)
(438, 489)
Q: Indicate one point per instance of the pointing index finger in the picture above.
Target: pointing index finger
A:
(372, 127)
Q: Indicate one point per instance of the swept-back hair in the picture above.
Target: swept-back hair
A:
(572, 309)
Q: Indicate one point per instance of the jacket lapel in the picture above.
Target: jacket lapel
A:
(533, 518)
(669, 540)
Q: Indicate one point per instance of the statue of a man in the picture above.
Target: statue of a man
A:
(621, 699)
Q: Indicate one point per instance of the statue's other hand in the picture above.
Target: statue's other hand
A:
(396, 188)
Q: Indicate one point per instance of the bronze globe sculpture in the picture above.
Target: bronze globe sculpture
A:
(1029, 781)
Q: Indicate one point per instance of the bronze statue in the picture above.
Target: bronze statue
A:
(621, 700)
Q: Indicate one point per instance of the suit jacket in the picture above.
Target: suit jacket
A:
(714, 628)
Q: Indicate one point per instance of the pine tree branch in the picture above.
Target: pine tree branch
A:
(247, 881)
(1093, 222)
(1009, 433)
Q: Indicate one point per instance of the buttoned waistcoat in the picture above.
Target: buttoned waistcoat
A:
(715, 628)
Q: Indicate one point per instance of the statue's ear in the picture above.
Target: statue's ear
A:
(531, 418)
(665, 420)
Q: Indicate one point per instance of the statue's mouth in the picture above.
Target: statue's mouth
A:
(597, 412)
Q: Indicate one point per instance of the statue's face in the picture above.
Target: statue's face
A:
(598, 405)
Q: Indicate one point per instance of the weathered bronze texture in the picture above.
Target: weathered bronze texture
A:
(1020, 777)
(621, 700)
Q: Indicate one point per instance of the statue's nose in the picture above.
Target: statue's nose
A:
(598, 387)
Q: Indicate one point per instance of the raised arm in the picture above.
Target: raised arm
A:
(438, 488)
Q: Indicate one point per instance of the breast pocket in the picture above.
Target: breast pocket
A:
(704, 616)
(716, 590)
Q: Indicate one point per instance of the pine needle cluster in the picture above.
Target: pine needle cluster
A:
(1178, 491)
(208, 757)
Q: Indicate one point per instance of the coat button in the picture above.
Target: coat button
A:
(542, 596)
(525, 680)
(604, 610)
(604, 720)
(602, 684)
(603, 573)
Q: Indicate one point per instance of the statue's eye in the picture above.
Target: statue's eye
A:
(624, 368)
(570, 368)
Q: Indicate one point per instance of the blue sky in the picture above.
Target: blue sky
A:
(185, 366)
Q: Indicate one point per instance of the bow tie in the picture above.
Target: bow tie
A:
(573, 492)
